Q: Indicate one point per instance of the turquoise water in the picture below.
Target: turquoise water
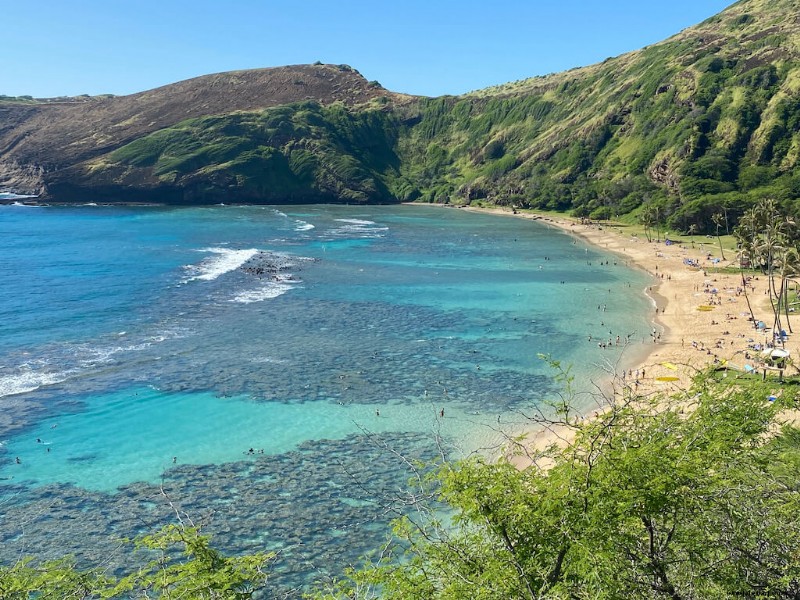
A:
(137, 433)
(148, 348)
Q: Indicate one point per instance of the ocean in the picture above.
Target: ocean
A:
(272, 372)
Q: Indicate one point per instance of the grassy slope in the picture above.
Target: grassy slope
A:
(298, 152)
(706, 120)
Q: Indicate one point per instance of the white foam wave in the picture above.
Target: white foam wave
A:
(28, 381)
(360, 228)
(99, 356)
(281, 214)
(303, 226)
(223, 261)
(267, 360)
(356, 221)
(267, 291)
(69, 360)
(357, 231)
(13, 196)
(167, 334)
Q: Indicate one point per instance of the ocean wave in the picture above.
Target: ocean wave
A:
(101, 356)
(360, 228)
(303, 226)
(28, 381)
(16, 204)
(273, 275)
(62, 362)
(223, 260)
(267, 291)
(355, 221)
(13, 196)
(263, 360)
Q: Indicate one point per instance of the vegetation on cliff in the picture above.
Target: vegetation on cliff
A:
(292, 153)
(702, 123)
(706, 121)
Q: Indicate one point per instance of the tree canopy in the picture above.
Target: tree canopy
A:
(692, 496)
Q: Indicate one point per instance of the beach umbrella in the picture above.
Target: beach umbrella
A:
(775, 353)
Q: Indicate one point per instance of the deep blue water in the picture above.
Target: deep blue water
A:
(143, 347)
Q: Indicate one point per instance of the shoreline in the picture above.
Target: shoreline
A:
(702, 316)
(676, 293)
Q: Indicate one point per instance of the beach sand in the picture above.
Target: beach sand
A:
(702, 317)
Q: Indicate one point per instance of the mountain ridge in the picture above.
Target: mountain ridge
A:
(723, 90)
(703, 121)
(27, 130)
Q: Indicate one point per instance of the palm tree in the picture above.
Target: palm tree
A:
(658, 224)
(790, 266)
(773, 248)
(717, 219)
(768, 238)
(746, 234)
(692, 231)
(647, 218)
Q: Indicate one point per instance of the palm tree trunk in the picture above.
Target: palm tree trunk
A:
(786, 304)
(746, 296)
(774, 297)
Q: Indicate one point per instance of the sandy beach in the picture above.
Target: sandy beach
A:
(700, 317)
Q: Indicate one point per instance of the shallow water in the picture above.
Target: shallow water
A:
(141, 345)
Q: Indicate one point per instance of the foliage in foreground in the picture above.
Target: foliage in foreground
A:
(692, 496)
(687, 497)
(182, 565)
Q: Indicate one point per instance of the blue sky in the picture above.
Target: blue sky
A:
(427, 47)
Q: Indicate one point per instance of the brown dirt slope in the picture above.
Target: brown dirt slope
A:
(37, 139)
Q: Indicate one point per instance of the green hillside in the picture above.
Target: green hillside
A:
(302, 152)
(702, 123)
(707, 119)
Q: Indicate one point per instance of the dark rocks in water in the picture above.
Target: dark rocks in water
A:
(322, 506)
(275, 266)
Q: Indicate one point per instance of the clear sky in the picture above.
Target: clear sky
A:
(426, 47)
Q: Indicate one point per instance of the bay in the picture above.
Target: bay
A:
(264, 369)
